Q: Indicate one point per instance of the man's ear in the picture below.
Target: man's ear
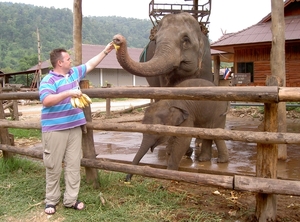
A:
(178, 115)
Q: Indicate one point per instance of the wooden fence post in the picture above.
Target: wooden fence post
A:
(216, 70)
(266, 165)
(88, 145)
(4, 135)
(108, 103)
(278, 65)
(15, 113)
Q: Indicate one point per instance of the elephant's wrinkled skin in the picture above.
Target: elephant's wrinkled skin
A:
(181, 51)
(188, 113)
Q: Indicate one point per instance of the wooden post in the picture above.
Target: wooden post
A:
(87, 137)
(216, 69)
(77, 31)
(15, 114)
(266, 165)
(107, 106)
(278, 65)
(88, 145)
(4, 135)
(108, 103)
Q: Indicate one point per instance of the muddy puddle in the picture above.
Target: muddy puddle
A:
(122, 146)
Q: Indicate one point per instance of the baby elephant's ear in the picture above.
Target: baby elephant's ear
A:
(179, 115)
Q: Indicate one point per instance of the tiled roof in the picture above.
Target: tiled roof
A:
(89, 51)
(260, 33)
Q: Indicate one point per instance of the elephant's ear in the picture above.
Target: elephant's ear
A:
(178, 115)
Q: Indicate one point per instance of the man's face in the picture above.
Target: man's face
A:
(65, 62)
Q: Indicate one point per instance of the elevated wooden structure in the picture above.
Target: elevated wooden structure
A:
(201, 11)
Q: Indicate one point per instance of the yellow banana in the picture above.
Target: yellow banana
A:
(78, 103)
(83, 101)
(73, 102)
(87, 98)
(116, 47)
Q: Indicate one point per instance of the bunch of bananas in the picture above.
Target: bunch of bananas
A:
(81, 102)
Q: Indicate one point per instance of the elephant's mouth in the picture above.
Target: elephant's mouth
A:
(185, 69)
(118, 39)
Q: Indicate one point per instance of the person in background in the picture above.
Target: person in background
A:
(61, 126)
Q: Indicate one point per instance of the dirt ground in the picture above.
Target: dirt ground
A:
(230, 205)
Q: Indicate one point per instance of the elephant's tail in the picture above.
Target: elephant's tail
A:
(226, 111)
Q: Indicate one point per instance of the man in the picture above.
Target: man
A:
(61, 126)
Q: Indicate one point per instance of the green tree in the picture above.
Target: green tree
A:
(19, 22)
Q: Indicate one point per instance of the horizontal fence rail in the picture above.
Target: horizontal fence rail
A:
(235, 182)
(262, 94)
(204, 133)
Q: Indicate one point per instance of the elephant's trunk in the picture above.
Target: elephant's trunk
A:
(160, 64)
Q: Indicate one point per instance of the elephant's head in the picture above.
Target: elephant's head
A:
(180, 51)
(164, 112)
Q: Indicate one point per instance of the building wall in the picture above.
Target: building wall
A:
(260, 56)
(116, 77)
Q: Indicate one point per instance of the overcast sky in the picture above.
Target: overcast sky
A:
(227, 15)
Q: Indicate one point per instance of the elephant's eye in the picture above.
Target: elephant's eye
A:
(185, 41)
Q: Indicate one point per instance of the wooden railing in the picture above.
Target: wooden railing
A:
(269, 95)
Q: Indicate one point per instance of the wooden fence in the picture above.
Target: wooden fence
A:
(265, 182)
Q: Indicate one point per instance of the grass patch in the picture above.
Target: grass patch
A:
(25, 133)
(94, 100)
(22, 190)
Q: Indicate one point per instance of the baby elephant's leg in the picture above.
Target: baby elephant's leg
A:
(176, 148)
(222, 151)
(206, 150)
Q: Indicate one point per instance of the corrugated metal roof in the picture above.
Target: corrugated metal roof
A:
(260, 33)
(89, 51)
(286, 4)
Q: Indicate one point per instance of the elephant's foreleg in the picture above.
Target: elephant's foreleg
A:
(222, 151)
(176, 149)
(206, 150)
(147, 142)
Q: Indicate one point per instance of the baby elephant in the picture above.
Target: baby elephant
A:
(185, 113)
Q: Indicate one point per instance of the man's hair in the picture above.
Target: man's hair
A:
(55, 55)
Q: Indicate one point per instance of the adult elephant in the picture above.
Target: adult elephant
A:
(181, 51)
(186, 113)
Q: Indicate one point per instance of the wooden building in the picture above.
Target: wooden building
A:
(251, 47)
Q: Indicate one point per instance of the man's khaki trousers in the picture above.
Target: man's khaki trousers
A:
(62, 148)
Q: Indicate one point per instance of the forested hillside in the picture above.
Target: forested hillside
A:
(18, 32)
